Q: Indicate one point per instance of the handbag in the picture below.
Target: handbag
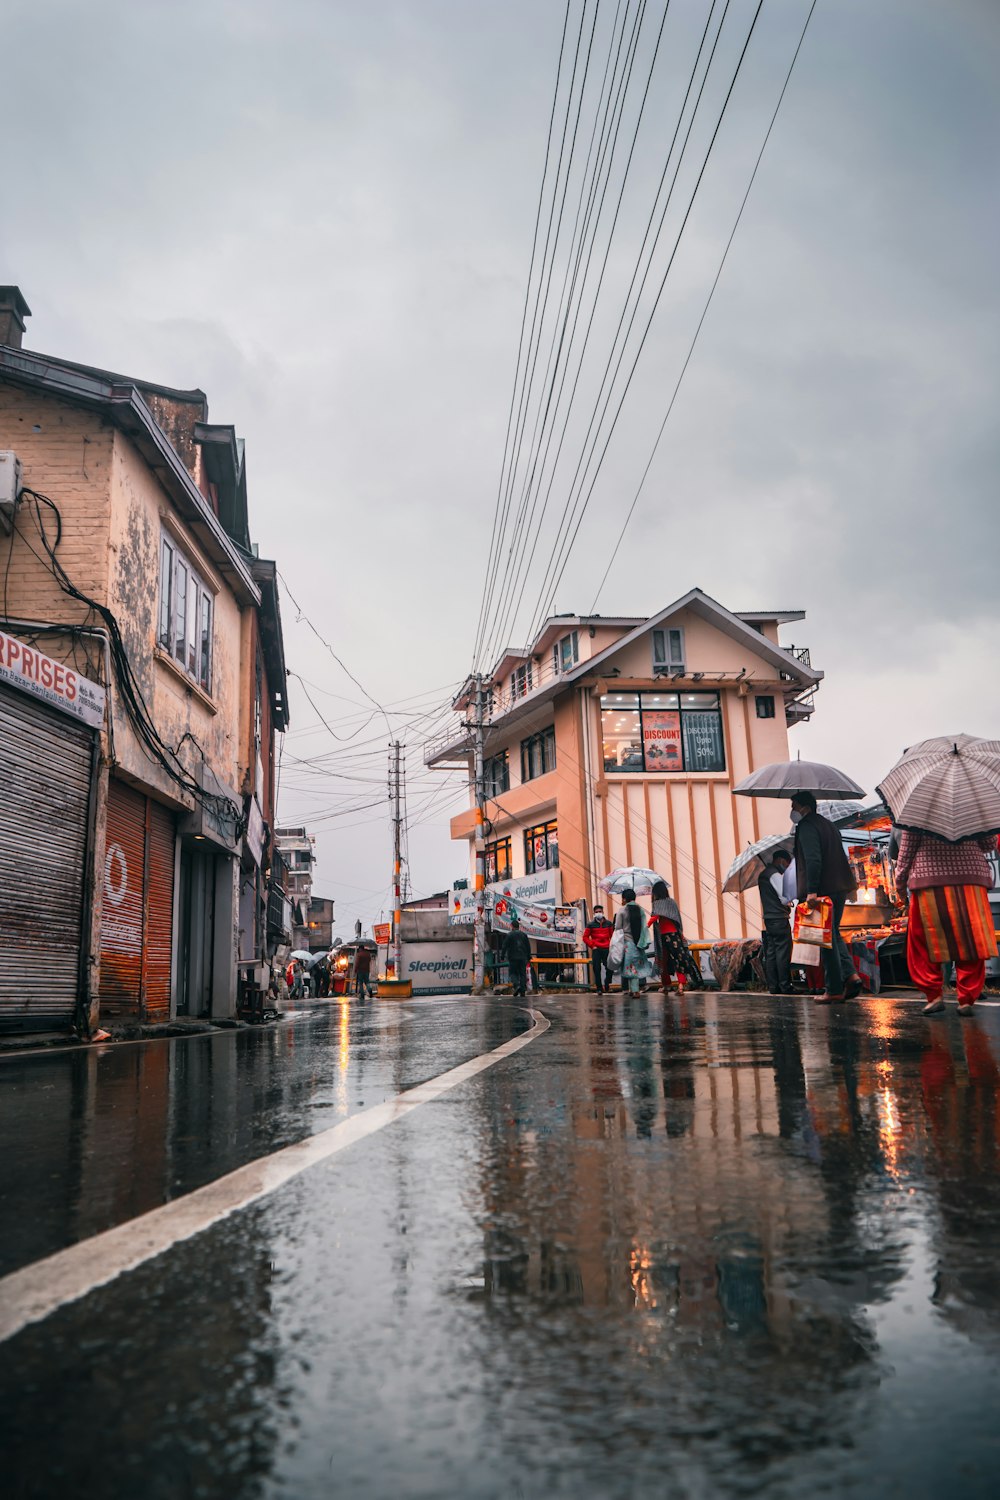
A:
(616, 950)
(814, 924)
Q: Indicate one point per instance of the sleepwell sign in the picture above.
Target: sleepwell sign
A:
(51, 681)
(542, 889)
(438, 966)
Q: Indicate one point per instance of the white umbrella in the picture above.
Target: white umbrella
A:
(783, 778)
(302, 954)
(949, 786)
(750, 863)
(629, 878)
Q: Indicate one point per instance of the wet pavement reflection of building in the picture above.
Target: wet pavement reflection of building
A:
(712, 1246)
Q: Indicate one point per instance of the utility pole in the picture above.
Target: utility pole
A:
(479, 931)
(396, 794)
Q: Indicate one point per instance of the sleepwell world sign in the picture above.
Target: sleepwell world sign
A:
(532, 899)
(435, 968)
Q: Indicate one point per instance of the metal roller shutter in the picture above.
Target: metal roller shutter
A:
(137, 911)
(48, 763)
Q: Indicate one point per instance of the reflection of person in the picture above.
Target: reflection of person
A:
(672, 952)
(777, 932)
(632, 921)
(597, 936)
(518, 955)
(949, 917)
(823, 869)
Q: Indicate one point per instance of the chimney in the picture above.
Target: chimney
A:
(13, 311)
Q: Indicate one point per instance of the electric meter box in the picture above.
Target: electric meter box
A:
(10, 487)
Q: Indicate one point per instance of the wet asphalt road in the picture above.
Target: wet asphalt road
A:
(719, 1246)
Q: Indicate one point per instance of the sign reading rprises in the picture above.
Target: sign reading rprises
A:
(33, 672)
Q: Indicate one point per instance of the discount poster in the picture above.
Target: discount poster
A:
(661, 740)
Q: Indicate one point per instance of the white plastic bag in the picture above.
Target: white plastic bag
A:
(810, 955)
(616, 951)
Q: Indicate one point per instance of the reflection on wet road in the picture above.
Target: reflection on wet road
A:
(717, 1246)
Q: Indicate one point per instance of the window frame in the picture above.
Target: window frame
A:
(566, 660)
(667, 661)
(545, 742)
(185, 614)
(521, 682)
(683, 711)
(493, 850)
(490, 782)
(549, 831)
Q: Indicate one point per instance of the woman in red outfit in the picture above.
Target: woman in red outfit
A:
(950, 920)
(672, 952)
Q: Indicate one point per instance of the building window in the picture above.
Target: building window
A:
(765, 708)
(538, 754)
(566, 652)
(496, 775)
(498, 861)
(541, 848)
(668, 652)
(185, 616)
(520, 680)
(662, 732)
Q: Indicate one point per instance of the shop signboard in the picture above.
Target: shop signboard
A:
(435, 968)
(703, 742)
(541, 889)
(545, 924)
(661, 739)
(33, 672)
(383, 934)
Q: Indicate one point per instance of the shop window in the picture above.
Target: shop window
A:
(498, 861)
(541, 848)
(496, 775)
(538, 754)
(765, 707)
(185, 615)
(566, 652)
(520, 680)
(668, 652)
(666, 732)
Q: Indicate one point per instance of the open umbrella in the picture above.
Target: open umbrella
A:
(302, 954)
(949, 786)
(786, 777)
(750, 862)
(629, 878)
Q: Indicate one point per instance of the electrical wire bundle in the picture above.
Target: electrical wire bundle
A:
(566, 403)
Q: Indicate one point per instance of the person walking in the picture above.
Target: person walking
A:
(949, 919)
(517, 952)
(597, 936)
(823, 869)
(362, 973)
(777, 935)
(675, 959)
(632, 921)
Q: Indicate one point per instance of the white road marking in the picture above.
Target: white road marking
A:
(36, 1291)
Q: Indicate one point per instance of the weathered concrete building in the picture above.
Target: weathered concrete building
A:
(129, 558)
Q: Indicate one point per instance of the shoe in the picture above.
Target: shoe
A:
(967, 1010)
(934, 1007)
(852, 989)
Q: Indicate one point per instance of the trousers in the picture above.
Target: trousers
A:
(838, 965)
(777, 937)
(599, 960)
(970, 974)
(518, 975)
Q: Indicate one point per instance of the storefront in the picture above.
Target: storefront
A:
(49, 717)
(137, 911)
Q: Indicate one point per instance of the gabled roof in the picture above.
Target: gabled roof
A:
(709, 609)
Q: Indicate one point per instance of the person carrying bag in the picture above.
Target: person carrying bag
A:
(631, 924)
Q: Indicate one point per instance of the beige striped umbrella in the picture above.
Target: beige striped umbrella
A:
(949, 786)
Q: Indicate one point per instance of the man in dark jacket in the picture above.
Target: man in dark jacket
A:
(823, 869)
(777, 931)
(597, 937)
(518, 955)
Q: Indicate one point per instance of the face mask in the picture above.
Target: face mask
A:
(797, 817)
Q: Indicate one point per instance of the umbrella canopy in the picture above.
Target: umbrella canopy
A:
(785, 777)
(629, 878)
(949, 786)
(750, 862)
(302, 954)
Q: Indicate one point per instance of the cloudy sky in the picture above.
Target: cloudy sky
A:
(321, 212)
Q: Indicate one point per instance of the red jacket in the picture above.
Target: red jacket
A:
(598, 934)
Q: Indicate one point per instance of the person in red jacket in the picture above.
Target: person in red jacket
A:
(597, 937)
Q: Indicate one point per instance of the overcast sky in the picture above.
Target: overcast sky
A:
(321, 212)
